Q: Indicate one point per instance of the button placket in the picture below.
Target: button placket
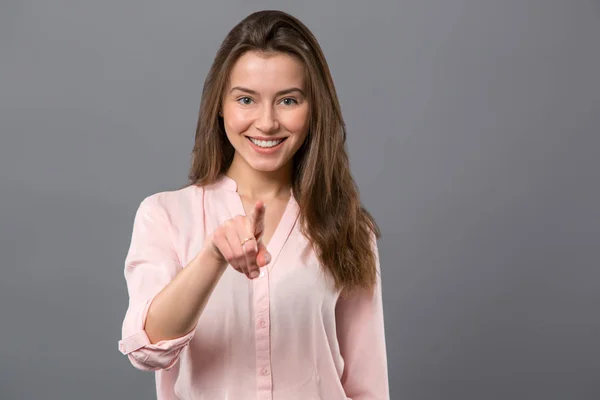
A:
(263, 338)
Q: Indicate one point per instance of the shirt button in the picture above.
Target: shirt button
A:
(265, 371)
(262, 273)
(262, 323)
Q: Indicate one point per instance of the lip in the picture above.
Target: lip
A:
(262, 150)
(266, 138)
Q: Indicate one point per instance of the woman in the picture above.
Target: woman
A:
(260, 279)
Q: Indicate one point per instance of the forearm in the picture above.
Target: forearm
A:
(175, 310)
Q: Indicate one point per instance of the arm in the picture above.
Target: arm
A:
(360, 332)
(165, 300)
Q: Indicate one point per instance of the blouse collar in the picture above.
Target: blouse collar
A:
(225, 182)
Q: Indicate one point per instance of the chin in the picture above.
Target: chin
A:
(265, 167)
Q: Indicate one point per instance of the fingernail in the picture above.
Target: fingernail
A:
(253, 274)
(267, 258)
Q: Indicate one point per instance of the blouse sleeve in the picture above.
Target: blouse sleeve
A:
(360, 332)
(151, 263)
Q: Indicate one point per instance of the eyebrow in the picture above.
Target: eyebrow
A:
(280, 93)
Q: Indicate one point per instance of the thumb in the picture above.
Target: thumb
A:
(263, 257)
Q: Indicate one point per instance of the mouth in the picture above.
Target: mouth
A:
(266, 144)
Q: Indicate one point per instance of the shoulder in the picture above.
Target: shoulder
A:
(173, 203)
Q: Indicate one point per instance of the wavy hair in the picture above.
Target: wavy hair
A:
(341, 231)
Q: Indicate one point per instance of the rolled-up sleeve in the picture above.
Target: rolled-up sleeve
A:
(361, 335)
(151, 263)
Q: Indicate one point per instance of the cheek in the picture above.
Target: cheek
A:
(297, 122)
(236, 122)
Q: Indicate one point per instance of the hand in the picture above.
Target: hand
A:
(226, 242)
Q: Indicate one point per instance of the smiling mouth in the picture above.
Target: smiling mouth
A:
(266, 144)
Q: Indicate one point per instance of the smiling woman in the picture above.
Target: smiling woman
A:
(265, 112)
(231, 299)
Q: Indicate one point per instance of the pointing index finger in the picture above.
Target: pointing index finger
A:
(257, 219)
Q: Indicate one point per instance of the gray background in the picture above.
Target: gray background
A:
(474, 135)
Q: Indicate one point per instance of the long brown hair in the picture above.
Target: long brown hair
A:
(331, 216)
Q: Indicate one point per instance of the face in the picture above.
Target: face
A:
(265, 110)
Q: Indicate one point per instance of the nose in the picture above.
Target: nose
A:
(267, 120)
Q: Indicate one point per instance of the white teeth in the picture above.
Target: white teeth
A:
(266, 143)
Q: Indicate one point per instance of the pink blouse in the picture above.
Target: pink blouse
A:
(286, 335)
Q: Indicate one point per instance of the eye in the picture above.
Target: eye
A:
(288, 101)
(245, 100)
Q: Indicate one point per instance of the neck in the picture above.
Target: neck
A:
(260, 185)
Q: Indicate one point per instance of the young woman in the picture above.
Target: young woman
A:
(260, 279)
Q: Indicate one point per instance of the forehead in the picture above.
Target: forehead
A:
(267, 72)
